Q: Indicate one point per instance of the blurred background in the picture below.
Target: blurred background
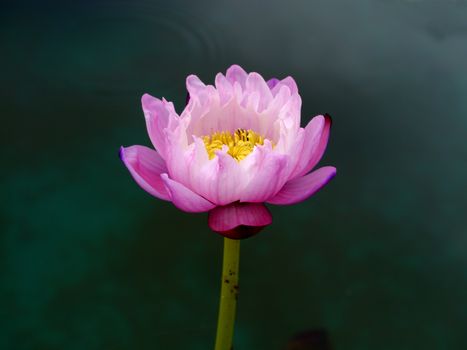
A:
(377, 259)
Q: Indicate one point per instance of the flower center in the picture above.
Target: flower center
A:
(240, 143)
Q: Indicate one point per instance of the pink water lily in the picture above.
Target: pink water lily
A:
(236, 145)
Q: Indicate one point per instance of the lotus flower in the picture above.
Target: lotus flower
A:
(236, 145)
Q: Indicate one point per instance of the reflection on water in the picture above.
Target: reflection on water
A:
(119, 47)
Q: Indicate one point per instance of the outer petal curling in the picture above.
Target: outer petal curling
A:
(316, 138)
(184, 198)
(301, 188)
(239, 220)
(146, 166)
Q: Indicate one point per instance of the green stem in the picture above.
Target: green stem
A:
(229, 294)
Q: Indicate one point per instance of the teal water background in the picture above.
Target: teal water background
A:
(378, 258)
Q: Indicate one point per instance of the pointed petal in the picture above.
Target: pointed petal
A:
(290, 83)
(195, 87)
(224, 88)
(184, 198)
(239, 220)
(236, 74)
(276, 85)
(158, 114)
(146, 166)
(316, 139)
(198, 113)
(255, 84)
(272, 82)
(301, 188)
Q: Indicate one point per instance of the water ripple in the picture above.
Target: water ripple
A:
(125, 47)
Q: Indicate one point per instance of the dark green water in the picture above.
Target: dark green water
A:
(378, 258)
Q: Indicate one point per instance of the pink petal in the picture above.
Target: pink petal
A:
(283, 106)
(176, 159)
(275, 85)
(239, 220)
(199, 112)
(267, 170)
(290, 83)
(224, 87)
(316, 139)
(219, 180)
(196, 88)
(236, 74)
(256, 84)
(301, 188)
(184, 198)
(146, 165)
(291, 143)
(272, 82)
(158, 116)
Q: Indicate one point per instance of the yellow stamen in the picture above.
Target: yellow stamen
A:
(240, 144)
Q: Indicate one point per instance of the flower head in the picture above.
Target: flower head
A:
(236, 145)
